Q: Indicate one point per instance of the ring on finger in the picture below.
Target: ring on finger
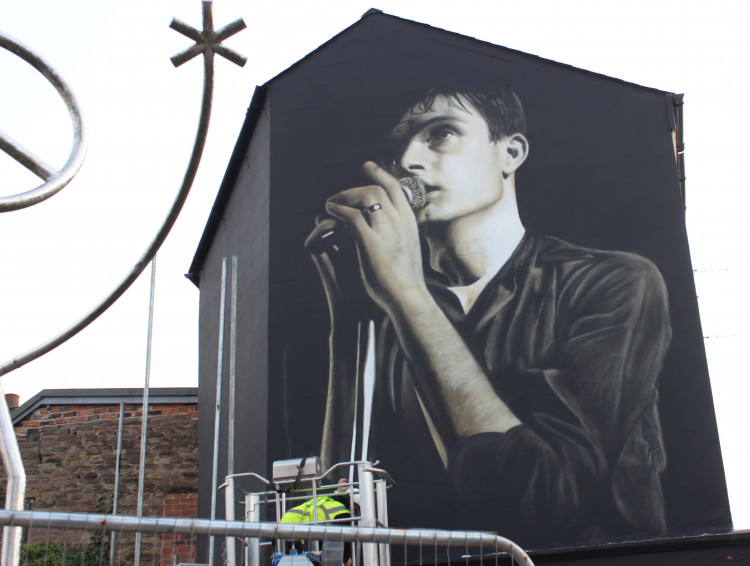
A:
(372, 208)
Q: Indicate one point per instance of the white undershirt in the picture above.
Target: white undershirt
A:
(468, 294)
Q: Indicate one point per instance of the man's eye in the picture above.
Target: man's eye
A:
(440, 134)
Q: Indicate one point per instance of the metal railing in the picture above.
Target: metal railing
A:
(457, 545)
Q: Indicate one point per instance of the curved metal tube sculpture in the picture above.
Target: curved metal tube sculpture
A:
(54, 181)
(207, 42)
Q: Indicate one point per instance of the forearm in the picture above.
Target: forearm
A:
(454, 389)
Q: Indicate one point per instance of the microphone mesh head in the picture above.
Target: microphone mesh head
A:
(414, 189)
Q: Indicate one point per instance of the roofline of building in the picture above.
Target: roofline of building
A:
(375, 12)
(227, 183)
(104, 397)
(258, 101)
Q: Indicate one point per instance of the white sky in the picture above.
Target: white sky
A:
(61, 257)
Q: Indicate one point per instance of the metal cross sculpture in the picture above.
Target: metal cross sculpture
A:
(208, 41)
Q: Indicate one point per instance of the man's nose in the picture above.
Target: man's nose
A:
(414, 158)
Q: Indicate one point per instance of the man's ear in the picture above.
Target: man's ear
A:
(516, 150)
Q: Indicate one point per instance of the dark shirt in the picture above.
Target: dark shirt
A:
(572, 340)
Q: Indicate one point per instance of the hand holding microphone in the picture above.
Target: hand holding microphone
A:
(382, 224)
(324, 237)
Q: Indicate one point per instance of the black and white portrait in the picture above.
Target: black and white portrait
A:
(507, 357)
(479, 277)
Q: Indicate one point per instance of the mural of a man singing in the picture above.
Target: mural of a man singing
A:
(517, 368)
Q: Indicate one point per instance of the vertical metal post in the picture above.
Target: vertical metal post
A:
(381, 505)
(232, 366)
(367, 507)
(144, 410)
(315, 544)
(252, 515)
(217, 412)
(280, 510)
(229, 493)
(231, 559)
(16, 488)
(116, 496)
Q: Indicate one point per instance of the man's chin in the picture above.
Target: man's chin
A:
(430, 218)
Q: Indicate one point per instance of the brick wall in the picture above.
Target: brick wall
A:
(182, 546)
(70, 451)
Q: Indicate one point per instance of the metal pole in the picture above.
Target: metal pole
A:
(229, 494)
(230, 559)
(252, 515)
(232, 366)
(144, 410)
(16, 488)
(381, 506)
(280, 510)
(315, 544)
(367, 507)
(116, 496)
(217, 411)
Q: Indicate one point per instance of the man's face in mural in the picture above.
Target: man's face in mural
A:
(449, 146)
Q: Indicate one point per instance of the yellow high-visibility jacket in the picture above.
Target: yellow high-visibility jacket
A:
(328, 508)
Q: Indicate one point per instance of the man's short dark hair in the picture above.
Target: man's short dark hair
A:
(499, 106)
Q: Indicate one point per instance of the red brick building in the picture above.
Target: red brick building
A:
(69, 444)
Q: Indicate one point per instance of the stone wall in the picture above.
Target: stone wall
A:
(70, 455)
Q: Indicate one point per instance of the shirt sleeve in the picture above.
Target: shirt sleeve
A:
(589, 451)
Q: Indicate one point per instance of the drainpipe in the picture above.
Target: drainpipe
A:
(677, 104)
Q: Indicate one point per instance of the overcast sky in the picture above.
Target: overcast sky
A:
(61, 257)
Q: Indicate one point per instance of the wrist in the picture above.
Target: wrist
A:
(410, 301)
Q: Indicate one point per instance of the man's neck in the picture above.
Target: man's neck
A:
(476, 246)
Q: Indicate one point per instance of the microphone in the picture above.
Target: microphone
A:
(414, 190)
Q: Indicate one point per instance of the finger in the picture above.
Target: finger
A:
(323, 231)
(327, 272)
(358, 221)
(388, 182)
(349, 215)
(321, 217)
(361, 197)
(375, 215)
(359, 218)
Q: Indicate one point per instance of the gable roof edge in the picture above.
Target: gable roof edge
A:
(258, 100)
(374, 12)
(227, 184)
